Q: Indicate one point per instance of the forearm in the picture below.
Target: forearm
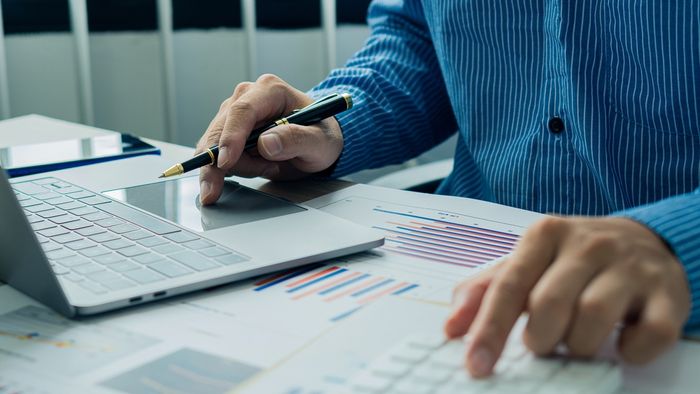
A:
(401, 105)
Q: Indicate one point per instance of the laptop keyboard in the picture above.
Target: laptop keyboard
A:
(103, 245)
(425, 365)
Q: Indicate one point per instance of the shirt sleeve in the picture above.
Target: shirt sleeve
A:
(401, 107)
(677, 221)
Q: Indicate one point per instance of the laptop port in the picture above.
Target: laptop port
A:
(135, 299)
(159, 294)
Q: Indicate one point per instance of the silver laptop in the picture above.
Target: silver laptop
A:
(81, 252)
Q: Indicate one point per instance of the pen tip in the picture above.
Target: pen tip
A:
(162, 176)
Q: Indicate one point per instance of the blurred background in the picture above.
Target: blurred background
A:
(161, 68)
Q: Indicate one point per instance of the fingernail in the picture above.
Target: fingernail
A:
(481, 361)
(223, 158)
(271, 143)
(204, 189)
(459, 300)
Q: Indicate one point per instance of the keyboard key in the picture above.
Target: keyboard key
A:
(50, 247)
(148, 258)
(48, 196)
(93, 287)
(45, 181)
(146, 221)
(136, 235)
(231, 259)
(118, 244)
(132, 251)
(68, 190)
(181, 237)
(85, 210)
(123, 228)
(369, 383)
(197, 244)
(71, 205)
(107, 259)
(111, 222)
(385, 366)
(168, 249)
(124, 266)
(41, 239)
(78, 224)
(58, 270)
(22, 197)
(30, 202)
(54, 231)
(30, 188)
(51, 213)
(152, 241)
(103, 276)
(90, 268)
(194, 260)
(39, 208)
(80, 245)
(170, 268)
(214, 252)
(74, 277)
(451, 355)
(59, 254)
(95, 200)
(408, 354)
(430, 374)
(58, 200)
(429, 342)
(32, 218)
(70, 237)
(80, 194)
(144, 275)
(91, 230)
(73, 261)
(93, 217)
(42, 225)
(64, 219)
(53, 182)
(104, 237)
(94, 251)
(120, 284)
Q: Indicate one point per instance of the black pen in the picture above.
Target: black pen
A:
(313, 113)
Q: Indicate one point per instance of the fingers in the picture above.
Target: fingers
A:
(310, 148)
(506, 297)
(659, 326)
(466, 300)
(211, 181)
(601, 306)
(269, 98)
(553, 300)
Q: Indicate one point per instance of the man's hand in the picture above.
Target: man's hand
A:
(577, 278)
(285, 152)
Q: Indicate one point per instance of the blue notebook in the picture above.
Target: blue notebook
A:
(31, 159)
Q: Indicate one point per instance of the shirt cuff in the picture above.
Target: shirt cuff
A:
(677, 221)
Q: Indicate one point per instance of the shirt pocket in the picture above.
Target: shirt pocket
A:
(653, 63)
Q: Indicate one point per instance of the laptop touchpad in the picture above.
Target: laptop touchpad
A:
(178, 201)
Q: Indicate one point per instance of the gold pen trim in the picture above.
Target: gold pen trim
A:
(348, 100)
(211, 155)
(282, 121)
(177, 169)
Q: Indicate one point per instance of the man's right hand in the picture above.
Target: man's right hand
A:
(284, 152)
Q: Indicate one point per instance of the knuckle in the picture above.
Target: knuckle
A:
(662, 331)
(242, 88)
(597, 244)
(511, 288)
(542, 301)
(269, 79)
(594, 308)
(548, 226)
(242, 107)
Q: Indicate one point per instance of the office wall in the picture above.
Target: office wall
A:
(211, 44)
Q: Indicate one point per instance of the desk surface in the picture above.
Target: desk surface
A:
(258, 342)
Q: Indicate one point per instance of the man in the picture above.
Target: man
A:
(571, 108)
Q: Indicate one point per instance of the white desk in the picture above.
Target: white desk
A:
(222, 326)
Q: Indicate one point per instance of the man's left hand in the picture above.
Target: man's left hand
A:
(577, 278)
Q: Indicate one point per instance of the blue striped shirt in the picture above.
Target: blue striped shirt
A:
(623, 77)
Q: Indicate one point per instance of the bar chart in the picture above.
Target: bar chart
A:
(443, 241)
(334, 284)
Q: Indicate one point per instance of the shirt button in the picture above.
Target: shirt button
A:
(556, 125)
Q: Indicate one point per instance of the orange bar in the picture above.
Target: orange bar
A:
(314, 276)
(354, 289)
(271, 278)
(382, 293)
(327, 285)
